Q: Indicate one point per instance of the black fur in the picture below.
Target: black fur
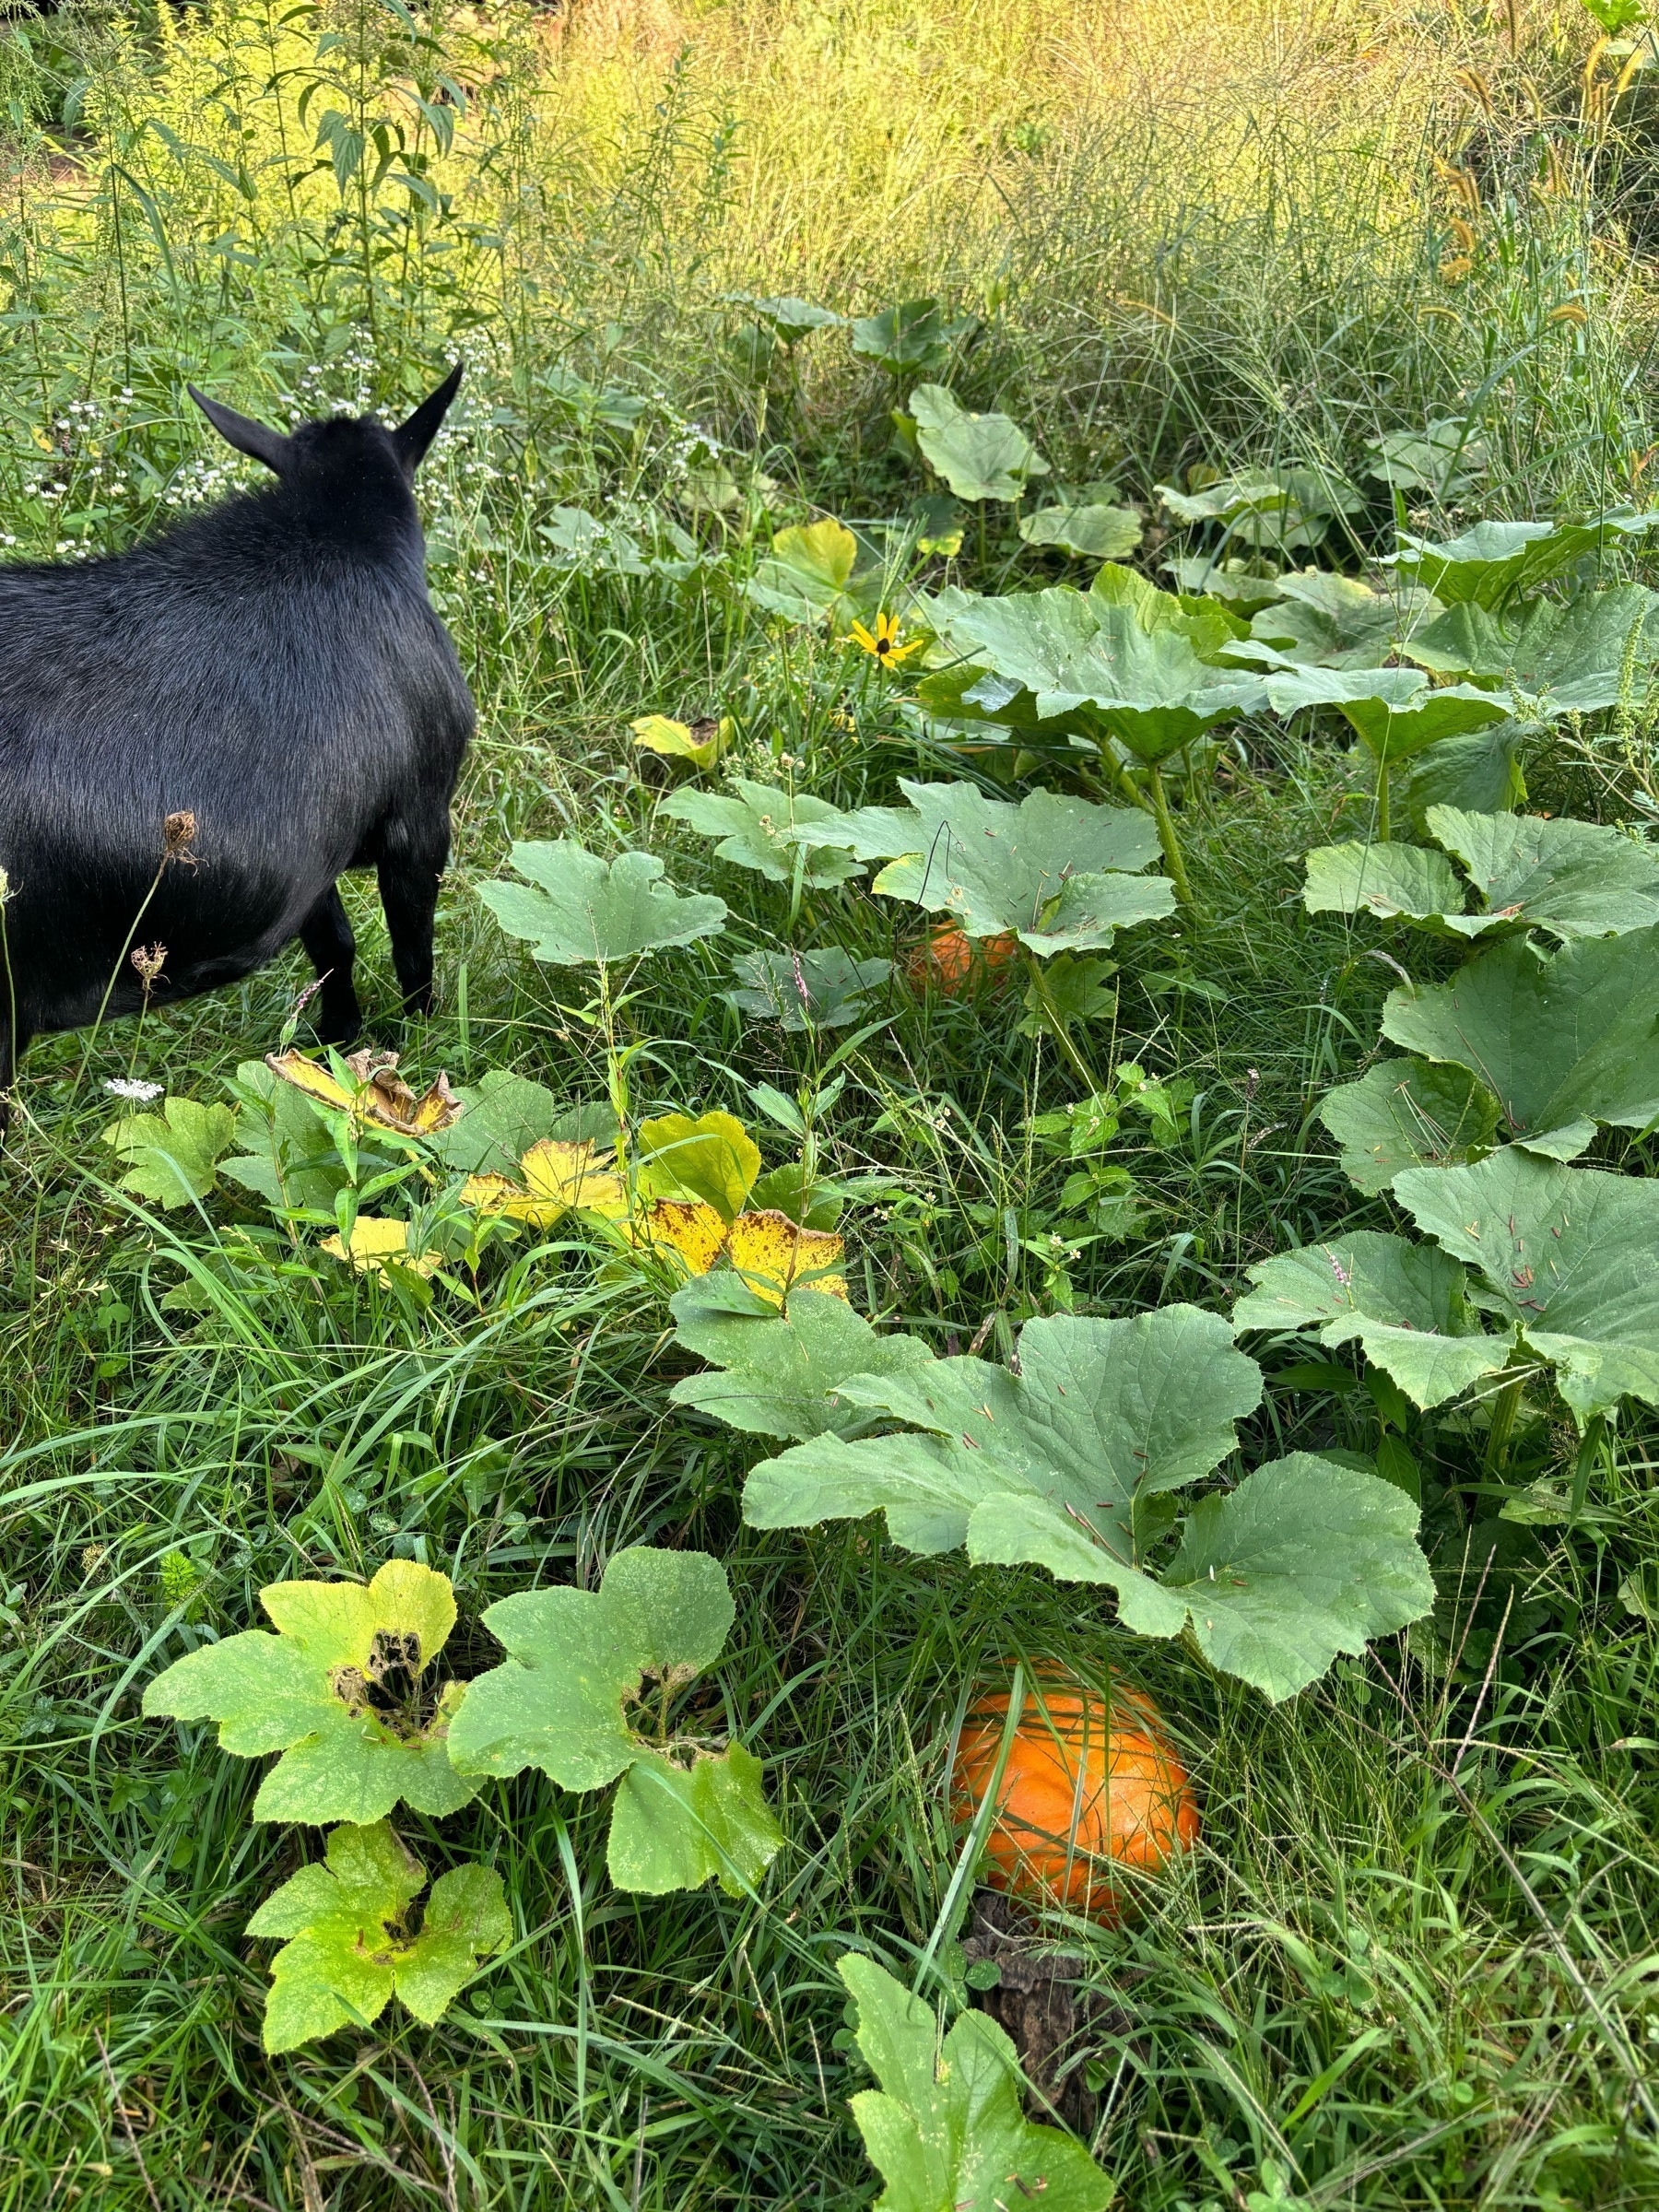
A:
(273, 668)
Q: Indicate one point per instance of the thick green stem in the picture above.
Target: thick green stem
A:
(1168, 838)
(1056, 1028)
(1383, 824)
(1504, 1408)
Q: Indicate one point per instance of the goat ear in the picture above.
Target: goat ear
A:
(246, 435)
(412, 438)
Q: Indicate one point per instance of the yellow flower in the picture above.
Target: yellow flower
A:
(885, 644)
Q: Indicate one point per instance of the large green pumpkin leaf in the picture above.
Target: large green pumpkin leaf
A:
(1409, 1114)
(1405, 1304)
(577, 1661)
(980, 456)
(1394, 882)
(1101, 1415)
(1480, 772)
(1304, 1559)
(1393, 710)
(1094, 531)
(1576, 880)
(789, 319)
(1055, 872)
(1057, 1467)
(915, 334)
(779, 1373)
(1569, 653)
(1073, 649)
(754, 828)
(1329, 621)
(171, 1157)
(1445, 460)
(575, 908)
(340, 1691)
(1563, 1041)
(945, 2130)
(351, 1945)
(1493, 562)
(1567, 1254)
(1276, 512)
(1208, 626)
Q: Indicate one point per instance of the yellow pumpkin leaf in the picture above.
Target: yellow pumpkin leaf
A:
(771, 1253)
(379, 1095)
(694, 1229)
(381, 1245)
(712, 1158)
(701, 743)
(556, 1176)
(577, 1174)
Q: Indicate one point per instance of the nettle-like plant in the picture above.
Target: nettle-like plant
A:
(1074, 1463)
(350, 1691)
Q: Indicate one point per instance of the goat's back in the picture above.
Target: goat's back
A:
(293, 690)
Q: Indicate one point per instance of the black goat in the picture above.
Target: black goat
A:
(198, 736)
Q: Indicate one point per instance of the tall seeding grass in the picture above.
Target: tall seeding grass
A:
(1413, 1967)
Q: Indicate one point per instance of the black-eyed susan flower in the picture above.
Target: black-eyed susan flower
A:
(884, 644)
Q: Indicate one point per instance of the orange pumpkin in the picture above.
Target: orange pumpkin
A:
(1089, 1780)
(955, 964)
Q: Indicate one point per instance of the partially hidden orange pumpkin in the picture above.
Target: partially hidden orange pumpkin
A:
(1092, 1782)
(956, 965)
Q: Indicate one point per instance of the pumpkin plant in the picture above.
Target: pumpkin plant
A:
(1070, 659)
(1073, 1464)
(1575, 654)
(1574, 879)
(344, 1691)
(575, 910)
(945, 2127)
(587, 1693)
(1491, 564)
(347, 1693)
(1559, 1257)
(353, 1936)
(979, 456)
(1055, 877)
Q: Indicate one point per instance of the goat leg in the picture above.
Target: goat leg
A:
(326, 936)
(409, 889)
